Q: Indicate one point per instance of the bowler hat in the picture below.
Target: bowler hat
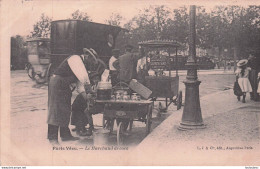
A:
(242, 62)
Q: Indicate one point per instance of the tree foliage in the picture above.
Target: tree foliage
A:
(18, 52)
(115, 19)
(224, 27)
(42, 27)
(80, 15)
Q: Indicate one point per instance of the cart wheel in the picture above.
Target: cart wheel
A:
(119, 135)
(111, 125)
(179, 100)
(49, 72)
(149, 121)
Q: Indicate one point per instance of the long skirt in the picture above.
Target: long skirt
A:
(59, 101)
(245, 85)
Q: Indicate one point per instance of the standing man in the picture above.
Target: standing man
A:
(72, 70)
(141, 67)
(126, 64)
(114, 66)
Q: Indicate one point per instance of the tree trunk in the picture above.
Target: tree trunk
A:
(235, 58)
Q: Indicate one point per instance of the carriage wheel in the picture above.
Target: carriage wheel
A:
(149, 120)
(30, 72)
(50, 71)
(39, 79)
(179, 100)
(120, 131)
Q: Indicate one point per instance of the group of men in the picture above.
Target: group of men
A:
(128, 66)
(73, 70)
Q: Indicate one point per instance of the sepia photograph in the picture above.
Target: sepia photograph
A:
(130, 83)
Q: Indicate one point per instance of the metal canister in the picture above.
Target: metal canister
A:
(104, 91)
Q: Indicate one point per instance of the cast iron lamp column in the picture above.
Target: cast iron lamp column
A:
(191, 117)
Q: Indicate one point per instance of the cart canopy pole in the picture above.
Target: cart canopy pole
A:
(169, 53)
(176, 61)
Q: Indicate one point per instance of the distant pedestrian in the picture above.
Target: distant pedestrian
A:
(229, 65)
(242, 74)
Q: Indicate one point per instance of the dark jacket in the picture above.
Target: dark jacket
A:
(126, 64)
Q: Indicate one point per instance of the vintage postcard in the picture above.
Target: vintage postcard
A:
(130, 83)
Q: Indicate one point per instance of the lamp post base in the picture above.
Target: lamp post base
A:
(191, 126)
(191, 117)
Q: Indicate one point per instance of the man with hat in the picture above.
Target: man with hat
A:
(71, 70)
(127, 65)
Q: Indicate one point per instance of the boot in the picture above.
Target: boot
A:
(89, 132)
(244, 98)
(81, 131)
(238, 98)
(54, 142)
(71, 138)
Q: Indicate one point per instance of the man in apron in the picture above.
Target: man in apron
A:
(72, 70)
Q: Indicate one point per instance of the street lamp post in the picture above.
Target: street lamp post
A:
(191, 117)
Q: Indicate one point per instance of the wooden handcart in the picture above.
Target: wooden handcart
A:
(162, 86)
(124, 112)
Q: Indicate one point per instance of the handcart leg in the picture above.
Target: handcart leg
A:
(119, 135)
(179, 100)
(149, 119)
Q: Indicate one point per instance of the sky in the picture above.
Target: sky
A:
(22, 14)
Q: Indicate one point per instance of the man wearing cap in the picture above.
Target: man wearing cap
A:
(114, 66)
(126, 64)
(72, 70)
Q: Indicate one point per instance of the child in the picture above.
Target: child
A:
(81, 116)
(242, 74)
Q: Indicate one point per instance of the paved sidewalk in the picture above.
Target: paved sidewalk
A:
(231, 136)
